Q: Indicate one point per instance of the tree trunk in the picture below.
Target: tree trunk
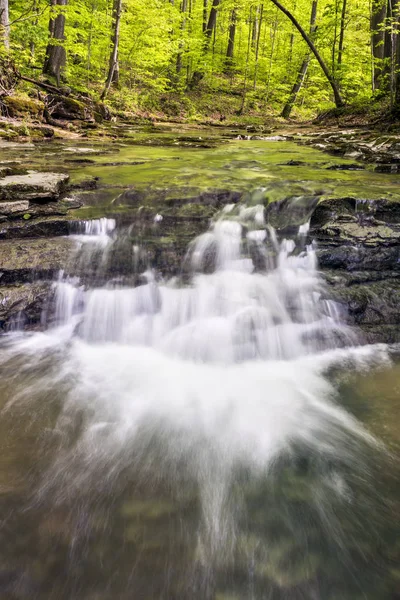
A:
(205, 4)
(333, 65)
(32, 47)
(113, 69)
(55, 53)
(338, 98)
(208, 34)
(378, 18)
(397, 81)
(258, 46)
(241, 109)
(341, 36)
(212, 19)
(287, 109)
(273, 30)
(395, 62)
(4, 25)
(183, 25)
(231, 40)
(254, 33)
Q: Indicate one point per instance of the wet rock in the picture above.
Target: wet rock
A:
(33, 186)
(9, 208)
(346, 167)
(273, 138)
(22, 305)
(29, 260)
(80, 161)
(294, 163)
(372, 305)
(80, 150)
(387, 168)
(26, 145)
(35, 228)
(358, 244)
(290, 212)
(87, 184)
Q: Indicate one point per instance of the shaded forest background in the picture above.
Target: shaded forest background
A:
(223, 56)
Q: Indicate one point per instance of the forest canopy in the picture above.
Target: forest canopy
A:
(272, 55)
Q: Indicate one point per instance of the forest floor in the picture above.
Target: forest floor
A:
(31, 113)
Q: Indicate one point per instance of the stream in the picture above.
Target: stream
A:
(195, 417)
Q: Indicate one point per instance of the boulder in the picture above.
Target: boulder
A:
(21, 106)
(66, 107)
(33, 186)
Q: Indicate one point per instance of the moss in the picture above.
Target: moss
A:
(196, 210)
(22, 106)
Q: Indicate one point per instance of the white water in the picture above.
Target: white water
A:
(226, 371)
(95, 230)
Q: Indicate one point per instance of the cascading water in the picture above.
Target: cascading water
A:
(210, 390)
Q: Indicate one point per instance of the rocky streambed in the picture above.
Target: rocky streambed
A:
(163, 188)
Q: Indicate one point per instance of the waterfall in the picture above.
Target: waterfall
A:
(211, 385)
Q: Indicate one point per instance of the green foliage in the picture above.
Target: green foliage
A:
(162, 46)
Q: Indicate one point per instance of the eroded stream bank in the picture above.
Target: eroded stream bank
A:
(166, 186)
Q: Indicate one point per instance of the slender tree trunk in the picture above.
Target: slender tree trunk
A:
(113, 69)
(231, 41)
(378, 18)
(395, 64)
(271, 58)
(212, 19)
(341, 36)
(397, 80)
(55, 53)
(254, 32)
(183, 25)
(338, 98)
(205, 12)
(247, 67)
(335, 38)
(287, 109)
(387, 48)
(209, 34)
(32, 48)
(4, 25)
(190, 26)
(258, 46)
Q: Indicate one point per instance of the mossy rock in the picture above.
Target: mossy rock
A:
(22, 106)
(101, 112)
(8, 134)
(66, 107)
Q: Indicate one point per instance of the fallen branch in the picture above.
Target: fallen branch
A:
(45, 86)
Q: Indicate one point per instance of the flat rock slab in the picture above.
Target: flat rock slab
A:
(26, 260)
(33, 186)
(9, 208)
